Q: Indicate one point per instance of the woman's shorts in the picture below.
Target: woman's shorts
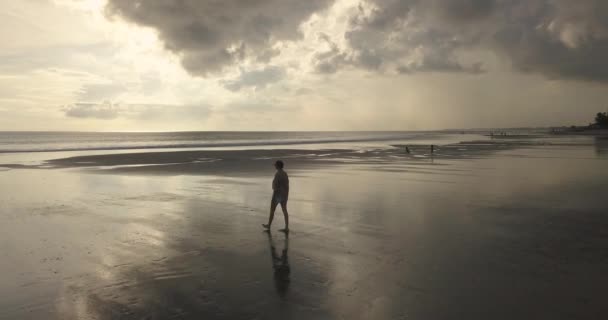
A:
(279, 198)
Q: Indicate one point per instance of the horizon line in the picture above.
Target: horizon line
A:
(279, 131)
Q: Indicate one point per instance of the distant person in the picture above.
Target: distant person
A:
(280, 193)
(432, 148)
(407, 150)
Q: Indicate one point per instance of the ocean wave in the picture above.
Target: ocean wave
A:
(215, 144)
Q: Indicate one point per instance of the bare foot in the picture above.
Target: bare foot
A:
(266, 226)
(286, 230)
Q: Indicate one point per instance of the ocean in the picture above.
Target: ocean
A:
(13, 142)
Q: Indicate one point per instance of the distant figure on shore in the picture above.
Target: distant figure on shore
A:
(407, 150)
(280, 265)
(432, 149)
(280, 193)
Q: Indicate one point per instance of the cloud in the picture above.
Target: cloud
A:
(304, 91)
(105, 111)
(212, 35)
(256, 79)
(560, 39)
(389, 36)
(412, 36)
(134, 111)
(436, 64)
(100, 91)
(329, 61)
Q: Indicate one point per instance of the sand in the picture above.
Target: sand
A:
(505, 230)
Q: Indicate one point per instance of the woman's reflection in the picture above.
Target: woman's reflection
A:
(280, 265)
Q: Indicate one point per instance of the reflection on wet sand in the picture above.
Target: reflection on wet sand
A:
(601, 146)
(280, 264)
(208, 277)
(500, 237)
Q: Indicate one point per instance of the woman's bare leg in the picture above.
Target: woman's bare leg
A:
(285, 215)
(273, 207)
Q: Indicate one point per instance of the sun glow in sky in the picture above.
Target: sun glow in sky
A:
(291, 65)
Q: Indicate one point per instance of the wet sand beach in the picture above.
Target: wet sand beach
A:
(480, 230)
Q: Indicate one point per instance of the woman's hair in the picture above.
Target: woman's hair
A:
(279, 164)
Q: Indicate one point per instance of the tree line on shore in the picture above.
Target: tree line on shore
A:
(601, 119)
(601, 122)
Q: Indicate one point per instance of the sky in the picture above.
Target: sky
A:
(185, 65)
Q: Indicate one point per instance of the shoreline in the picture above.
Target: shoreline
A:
(583, 132)
(256, 160)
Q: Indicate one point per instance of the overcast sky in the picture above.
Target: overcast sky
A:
(170, 65)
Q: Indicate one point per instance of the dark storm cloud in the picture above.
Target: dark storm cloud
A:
(418, 36)
(331, 60)
(266, 55)
(256, 79)
(407, 36)
(557, 38)
(210, 35)
(465, 11)
(562, 39)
